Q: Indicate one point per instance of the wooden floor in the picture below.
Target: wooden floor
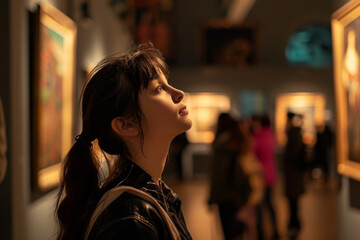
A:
(318, 210)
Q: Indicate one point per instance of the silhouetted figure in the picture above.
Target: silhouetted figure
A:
(264, 148)
(323, 143)
(177, 147)
(236, 183)
(294, 164)
(222, 189)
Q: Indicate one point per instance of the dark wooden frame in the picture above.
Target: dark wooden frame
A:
(228, 44)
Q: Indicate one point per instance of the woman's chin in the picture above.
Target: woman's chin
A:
(188, 124)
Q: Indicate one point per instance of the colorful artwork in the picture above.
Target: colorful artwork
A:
(346, 35)
(148, 21)
(53, 80)
(351, 81)
(252, 102)
(51, 89)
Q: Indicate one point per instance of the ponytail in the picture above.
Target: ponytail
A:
(79, 182)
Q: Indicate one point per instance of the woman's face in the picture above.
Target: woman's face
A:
(164, 110)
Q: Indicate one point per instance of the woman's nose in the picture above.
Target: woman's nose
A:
(177, 95)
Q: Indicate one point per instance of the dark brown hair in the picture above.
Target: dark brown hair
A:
(110, 90)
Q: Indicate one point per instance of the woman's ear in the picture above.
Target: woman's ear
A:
(124, 127)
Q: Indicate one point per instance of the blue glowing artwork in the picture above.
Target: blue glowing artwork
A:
(310, 46)
(252, 102)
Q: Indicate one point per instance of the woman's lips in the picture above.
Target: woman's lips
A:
(183, 111)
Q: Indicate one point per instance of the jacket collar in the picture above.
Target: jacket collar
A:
(138, 178)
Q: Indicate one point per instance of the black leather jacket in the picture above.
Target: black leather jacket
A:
(130, 217)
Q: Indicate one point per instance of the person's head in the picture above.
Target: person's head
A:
(225, 123)
(255, 123)
(265, 120)
(290, 116)
(125, 99)
(118, 100)
(294, 120)
(260, 121)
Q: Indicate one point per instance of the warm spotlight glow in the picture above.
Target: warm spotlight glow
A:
(49, 177)
(351, 61)
(354, 94)
(310, 105)
(204, 110)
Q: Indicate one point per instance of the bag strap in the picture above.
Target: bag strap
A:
(114, 193)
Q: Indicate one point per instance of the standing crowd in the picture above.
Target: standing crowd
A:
(244, 171)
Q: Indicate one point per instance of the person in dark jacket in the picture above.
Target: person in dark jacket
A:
(222, 192)
(230, 184)
(131, 110)
(294, 164)
(324, 139)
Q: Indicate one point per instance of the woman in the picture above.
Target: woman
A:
(264, 148)
(132, 111)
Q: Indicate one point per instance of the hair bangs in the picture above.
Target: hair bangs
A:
(149, 64)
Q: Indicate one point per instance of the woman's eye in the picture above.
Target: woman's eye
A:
(159, 89)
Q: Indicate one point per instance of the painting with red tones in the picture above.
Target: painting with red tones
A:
(52, 94)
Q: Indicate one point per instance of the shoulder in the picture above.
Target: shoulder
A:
(131, 216)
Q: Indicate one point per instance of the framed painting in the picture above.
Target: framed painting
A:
(228, 44)
(345, 24)
(252, 102)
(53, 64)
(310, 105)
(205, 109)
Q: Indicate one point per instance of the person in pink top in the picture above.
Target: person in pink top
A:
(264, 148)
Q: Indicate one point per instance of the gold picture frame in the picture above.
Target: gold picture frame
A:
(53, 38)
(345, 23)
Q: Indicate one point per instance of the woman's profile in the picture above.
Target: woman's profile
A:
(131, 110)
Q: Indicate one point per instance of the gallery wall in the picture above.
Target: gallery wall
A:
(30, 219)
(271, 80)
(27, 218)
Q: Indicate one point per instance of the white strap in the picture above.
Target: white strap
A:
(114, 193)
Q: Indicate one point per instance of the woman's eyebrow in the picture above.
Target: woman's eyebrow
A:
(161, 81)
(156, 81)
